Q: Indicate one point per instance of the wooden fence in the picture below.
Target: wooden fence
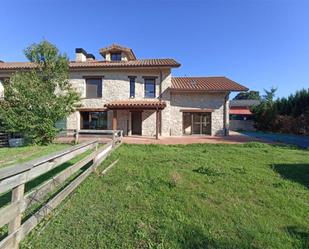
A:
(114, 135)
(14, 178)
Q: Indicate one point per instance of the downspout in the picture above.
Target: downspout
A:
(160, 86)
(225, 128)
(160, 99)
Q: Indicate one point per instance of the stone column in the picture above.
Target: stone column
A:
(114, 120)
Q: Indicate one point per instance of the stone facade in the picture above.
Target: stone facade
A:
(179, 102)
(116, 86)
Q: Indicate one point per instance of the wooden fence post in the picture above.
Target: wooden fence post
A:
(76, 136)
(17, 195)
(114, 137)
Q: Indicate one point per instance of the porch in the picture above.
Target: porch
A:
(137, 117)
(232, 138)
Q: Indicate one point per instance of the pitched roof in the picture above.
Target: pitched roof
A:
(136, 104)
(244, 102)
(16, 65)
(240, 111)
(124, 64)
(205, 84)
(98, 64)
(115, 48)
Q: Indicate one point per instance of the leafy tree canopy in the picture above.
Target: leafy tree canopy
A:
(248, 95)
(36, 99)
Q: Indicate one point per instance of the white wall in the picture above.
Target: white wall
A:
(1, 90)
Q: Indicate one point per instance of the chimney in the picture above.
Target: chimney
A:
(81, 55)
(90, 57)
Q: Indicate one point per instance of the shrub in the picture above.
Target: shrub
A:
(36, 99)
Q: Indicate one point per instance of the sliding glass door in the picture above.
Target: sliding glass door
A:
(196, 123)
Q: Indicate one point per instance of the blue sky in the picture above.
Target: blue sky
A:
(257, 43)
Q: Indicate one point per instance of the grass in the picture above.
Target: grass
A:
(187, 196)
(30, 152)
(9, 156)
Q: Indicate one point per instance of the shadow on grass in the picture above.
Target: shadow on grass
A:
(6, 198)
(294, 172)
(195, 238)
(300, 234)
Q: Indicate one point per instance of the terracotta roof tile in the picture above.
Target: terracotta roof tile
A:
(134, 103)
(239, 111)
(99, 64)
(133, 63)
(116, 47)
(205, 84)
(16, 65)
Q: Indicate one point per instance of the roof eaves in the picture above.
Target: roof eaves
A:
(204, 90)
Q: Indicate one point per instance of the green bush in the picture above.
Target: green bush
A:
(285, 115)
(36, 99)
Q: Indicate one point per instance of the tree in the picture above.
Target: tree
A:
(295, 105)
(269, 96)
(248, 95)
(36, 99)
(265, 113)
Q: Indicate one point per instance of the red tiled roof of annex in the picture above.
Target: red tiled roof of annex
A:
(205, 84)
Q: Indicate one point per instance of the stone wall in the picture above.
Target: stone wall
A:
(182, 101)
(116, 86)
(246, 125)
(149, 123)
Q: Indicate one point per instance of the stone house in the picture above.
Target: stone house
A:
(141, 97)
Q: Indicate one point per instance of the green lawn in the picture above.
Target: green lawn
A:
(9, 156)
(23, 154)
(189, 196)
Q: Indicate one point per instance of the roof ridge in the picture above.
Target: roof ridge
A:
(199, 77)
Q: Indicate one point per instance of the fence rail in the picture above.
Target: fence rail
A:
(115, 135)
(14, 178)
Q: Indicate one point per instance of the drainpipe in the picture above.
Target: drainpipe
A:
(160, 86)
(225, 128)
(160, 99)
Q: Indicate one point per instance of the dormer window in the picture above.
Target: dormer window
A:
(115, 56)
(117, 53)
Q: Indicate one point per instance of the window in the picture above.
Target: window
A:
(150, 88)
(116, 56)
(93, 87)
(132, 87)
(61, 124)
(93, 120)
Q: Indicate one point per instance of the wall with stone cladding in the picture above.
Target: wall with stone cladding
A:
(149, 123)
(116, 86)
(181, 101)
